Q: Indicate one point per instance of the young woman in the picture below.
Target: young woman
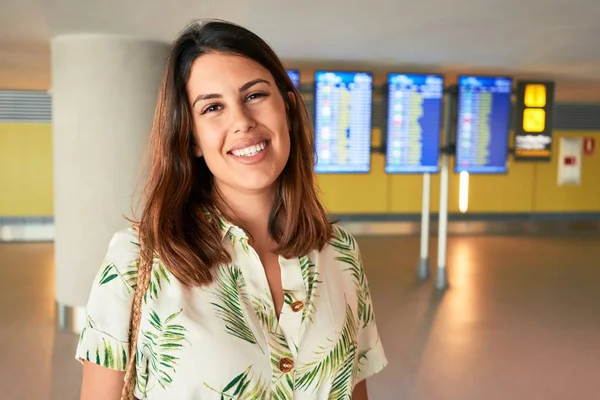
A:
(233, 284)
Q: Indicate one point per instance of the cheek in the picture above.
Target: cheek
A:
(283, 130)
(287, 141)
(210, 141)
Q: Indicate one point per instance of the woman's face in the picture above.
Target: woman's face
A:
(240, 122)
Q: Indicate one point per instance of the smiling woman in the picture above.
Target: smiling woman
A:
(232, 283)
(241, 126)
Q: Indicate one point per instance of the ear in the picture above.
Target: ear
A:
(292, 98)
(197, 149)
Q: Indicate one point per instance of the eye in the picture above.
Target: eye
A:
(254, 96)
(211, 108)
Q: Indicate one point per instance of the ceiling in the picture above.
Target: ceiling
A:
(550, 38)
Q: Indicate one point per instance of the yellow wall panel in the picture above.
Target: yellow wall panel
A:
(550, 197)
(434, 199)
(26, 186)
(512, 192)
(356, 193)
(26, 182)
(406, 193)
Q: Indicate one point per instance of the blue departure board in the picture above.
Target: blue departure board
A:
(343, 102)
(484, 107)
(294, 75)
(414, 121)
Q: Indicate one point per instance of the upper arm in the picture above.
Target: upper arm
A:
(103, 346)
(360, 391)
(101, 383)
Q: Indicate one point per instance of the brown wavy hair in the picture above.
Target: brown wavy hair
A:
(180, 214)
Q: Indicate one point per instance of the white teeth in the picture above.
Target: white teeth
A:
(250, 150)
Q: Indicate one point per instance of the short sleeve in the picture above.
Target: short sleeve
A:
(371, 356)
(105, 338)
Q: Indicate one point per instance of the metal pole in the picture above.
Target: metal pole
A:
(424, 259)
(441, 281)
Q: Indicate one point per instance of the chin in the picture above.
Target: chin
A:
(256, 184)
(248, 182)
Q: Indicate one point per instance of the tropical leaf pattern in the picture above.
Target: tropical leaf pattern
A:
(243, 241)
(348, 253)
(141, 378)
(225, 341)
(244, 386)
(283, 388)
(277, 342)
(232, 238)
(282, 384)
(159, 277)
(162, 343)
(230, 294)
(334, 363)
(110, 352)
(311, 281)
(129, 274)
(288, 297)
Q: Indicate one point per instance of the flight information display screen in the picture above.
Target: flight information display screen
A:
(294, 75)
(484, 107)
(414, 121)
(343, 102)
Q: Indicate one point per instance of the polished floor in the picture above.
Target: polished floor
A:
(520, 320)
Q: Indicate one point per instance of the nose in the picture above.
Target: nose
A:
(241, 119)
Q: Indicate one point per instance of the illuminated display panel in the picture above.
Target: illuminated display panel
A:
(534, 120)
(484, 107)
(343, 103)
(294, 75)
(414, 121)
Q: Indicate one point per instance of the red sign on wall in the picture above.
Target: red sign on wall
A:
(589, 146)
(570, 160)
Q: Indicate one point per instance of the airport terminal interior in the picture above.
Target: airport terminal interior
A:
(458, 143)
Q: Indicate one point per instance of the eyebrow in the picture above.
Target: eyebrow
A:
(242, 88)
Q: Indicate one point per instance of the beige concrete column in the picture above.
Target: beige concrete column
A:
(104, 90)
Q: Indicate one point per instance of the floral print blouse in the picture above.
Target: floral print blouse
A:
(224, 341)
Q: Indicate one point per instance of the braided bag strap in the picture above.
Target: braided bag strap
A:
(142, 283)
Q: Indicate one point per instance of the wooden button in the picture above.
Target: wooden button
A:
(286, 364)
(297, 306)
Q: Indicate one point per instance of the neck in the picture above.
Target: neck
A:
(251, 209)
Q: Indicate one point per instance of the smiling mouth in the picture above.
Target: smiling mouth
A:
(250, 150)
